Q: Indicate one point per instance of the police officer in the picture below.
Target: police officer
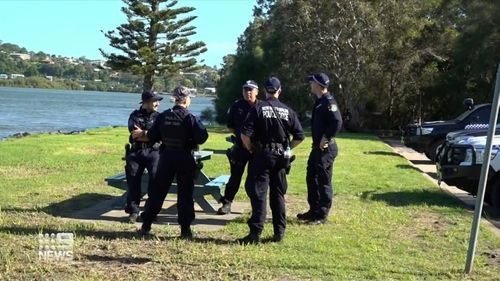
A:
(269, 124)
(180, 132)
(238, 155)
(326, 123)
(143, 153)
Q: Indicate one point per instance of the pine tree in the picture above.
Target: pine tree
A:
(154, 41)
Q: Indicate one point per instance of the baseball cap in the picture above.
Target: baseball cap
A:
(320, 78)
(150, 96)
(273, 84)
(250, 84)
(182, 92)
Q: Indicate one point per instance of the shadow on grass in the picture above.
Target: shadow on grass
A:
(423, 162)
(104, 234)
(66, 207)
(79, 202)
(383, 153)
(356, 136)
(412, 198)
(408, 167)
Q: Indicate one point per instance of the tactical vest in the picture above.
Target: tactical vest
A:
(175, 133)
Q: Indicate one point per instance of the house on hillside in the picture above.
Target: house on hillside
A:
(20, 56)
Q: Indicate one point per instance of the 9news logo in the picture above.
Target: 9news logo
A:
(55, 247)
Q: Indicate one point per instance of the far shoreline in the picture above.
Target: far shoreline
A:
(94, 91)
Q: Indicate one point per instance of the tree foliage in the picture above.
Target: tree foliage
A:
(155, 40)
(391, 62)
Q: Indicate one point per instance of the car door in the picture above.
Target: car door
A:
(479, 117)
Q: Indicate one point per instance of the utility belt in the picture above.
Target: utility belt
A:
(176, 147)
(144, 145)
(173, 144)
(273, 146)
(330, 143)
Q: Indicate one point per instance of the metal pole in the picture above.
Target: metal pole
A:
(484, 176)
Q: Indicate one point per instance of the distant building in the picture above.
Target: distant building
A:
(50, 78)
(21, 56)
(210, 90)
(4, 76)
(15, 76)
(48, 60)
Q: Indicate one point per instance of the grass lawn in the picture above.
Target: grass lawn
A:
(388, 223)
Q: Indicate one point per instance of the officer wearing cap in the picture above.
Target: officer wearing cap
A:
(180, 132)
(143, 153)
(269, 124)
(238, 155)
(326, 123)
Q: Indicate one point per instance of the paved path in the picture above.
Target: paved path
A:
(105, 212)
(428, 169)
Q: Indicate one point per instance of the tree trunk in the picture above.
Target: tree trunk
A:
(148, 82)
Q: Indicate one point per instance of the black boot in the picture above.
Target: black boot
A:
(251, 238)
(225, 209)
(186, 232)
(307, 216)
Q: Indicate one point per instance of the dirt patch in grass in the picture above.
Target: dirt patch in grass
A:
(426, 222)
(492, 257)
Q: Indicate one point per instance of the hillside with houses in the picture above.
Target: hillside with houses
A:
(20, 67)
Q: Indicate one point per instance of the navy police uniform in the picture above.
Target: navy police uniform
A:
(180, 132)
(267, 165)
(142, 155)
(238, 155)
(326, 123)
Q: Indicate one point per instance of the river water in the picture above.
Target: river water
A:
(49, 110)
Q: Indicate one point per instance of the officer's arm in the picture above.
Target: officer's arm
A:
(200, 134)
(230, 119)
(334, 121)
(247, 129)
(297, 131)
(136, 131)
(247, 142)
(131, 123)
(153, 134)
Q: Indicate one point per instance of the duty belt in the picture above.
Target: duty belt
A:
(331, 142)
(272, 146)
(142, 145)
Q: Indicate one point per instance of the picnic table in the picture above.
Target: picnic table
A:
(203, 185)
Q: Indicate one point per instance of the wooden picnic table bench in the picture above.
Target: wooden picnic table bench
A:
(203, 185)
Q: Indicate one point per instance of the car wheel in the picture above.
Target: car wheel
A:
(430, 152)
(495, 196)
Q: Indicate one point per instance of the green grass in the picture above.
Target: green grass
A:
(388, 223)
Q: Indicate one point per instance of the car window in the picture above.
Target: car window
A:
(479, 116)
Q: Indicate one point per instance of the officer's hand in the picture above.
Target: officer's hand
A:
(137, 133)
(323, 144)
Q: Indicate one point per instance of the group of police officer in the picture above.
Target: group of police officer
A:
(265, 132)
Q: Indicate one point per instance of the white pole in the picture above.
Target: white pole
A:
(484, 176)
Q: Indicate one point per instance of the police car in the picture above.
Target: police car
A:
(459, 162)
(428, 136)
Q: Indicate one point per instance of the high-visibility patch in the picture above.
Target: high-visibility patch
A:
(333, 107)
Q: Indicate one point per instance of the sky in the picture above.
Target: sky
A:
(72, 27)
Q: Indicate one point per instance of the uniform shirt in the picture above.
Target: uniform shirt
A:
(263, 126)
(142, 119)
(178, 128)
(326, 119)
(236, 115)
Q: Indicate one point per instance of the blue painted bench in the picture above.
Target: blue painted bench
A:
(203, 185)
